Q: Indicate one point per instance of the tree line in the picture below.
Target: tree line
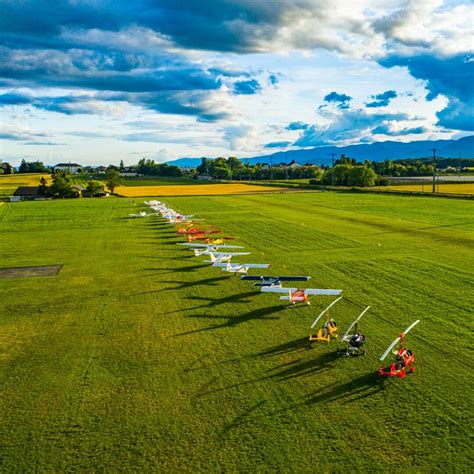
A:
(64, 185)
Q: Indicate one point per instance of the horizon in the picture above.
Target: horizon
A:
(98, 83)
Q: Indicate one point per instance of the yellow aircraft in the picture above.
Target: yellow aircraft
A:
(328, 330)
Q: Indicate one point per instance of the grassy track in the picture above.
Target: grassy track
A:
(139, 357)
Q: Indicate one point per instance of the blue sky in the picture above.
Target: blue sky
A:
(102, 81)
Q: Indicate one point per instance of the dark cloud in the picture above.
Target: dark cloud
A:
(450, 76)
(297, 126)
(341, 99)
(382, 100)
(247, 87)
(277, 144)
(335, 97)
(13, 98)
(273, 79)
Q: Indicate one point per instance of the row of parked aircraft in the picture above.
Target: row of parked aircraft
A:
(220, 256)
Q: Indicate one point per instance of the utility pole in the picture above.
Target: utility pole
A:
(434, 170)
(286, 162)
(332, 170)
(459, 163)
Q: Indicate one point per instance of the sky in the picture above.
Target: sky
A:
(99, 81)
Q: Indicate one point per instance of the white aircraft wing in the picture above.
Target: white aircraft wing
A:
(324, 311)
(187, 244)
(343, 337)
(228, 254)
(242, 265)
(317, 291)
(273, 289)
(210, 246)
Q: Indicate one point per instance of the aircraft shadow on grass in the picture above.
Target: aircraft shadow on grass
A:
(188, 284)
(285, 348)
(232, 321)
(361, 387)
(305, 368)
(237, 298)
(181, 285)
(164, 271)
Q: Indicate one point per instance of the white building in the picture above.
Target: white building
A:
(72, 168)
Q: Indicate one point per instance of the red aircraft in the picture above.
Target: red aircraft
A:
(404, 358)
(197, 231)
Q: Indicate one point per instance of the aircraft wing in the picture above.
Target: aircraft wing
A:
(242, 265)
(254, 265)
(229, 254)
(224, 246)
(317, 291)
(273, 289)
(293, 278)
(187, 244)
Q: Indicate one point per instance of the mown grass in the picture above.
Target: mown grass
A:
(138, 357)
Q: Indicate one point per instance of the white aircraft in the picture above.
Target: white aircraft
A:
(240, 267)
(218, 257)
(207, 249)
(140, 214)
(297, 295)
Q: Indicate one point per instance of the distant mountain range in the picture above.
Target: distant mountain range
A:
(378, 151)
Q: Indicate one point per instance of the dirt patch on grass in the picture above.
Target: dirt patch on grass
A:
(26, 272)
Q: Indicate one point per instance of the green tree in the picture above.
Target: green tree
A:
(121, 165)
(361, 176)
(32, 167)
(203, 168)
(94, 188)
(112, 179)
(62, 186)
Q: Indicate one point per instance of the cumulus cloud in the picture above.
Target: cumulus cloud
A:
(19, 132)
(392, 130)
(451, 77)
(346, 126)
(240, 137)
(382, 100)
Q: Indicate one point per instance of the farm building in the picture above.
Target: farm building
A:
(72, 168)
(6, 167)
(26, 193)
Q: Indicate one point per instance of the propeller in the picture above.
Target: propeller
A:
(392, 345)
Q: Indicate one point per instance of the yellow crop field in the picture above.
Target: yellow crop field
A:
(457, 188)
(193, 190)
(9, 182)
(24, 179)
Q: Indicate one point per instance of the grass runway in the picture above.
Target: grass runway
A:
(137, 356)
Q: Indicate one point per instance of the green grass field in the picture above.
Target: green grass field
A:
(138, 357)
